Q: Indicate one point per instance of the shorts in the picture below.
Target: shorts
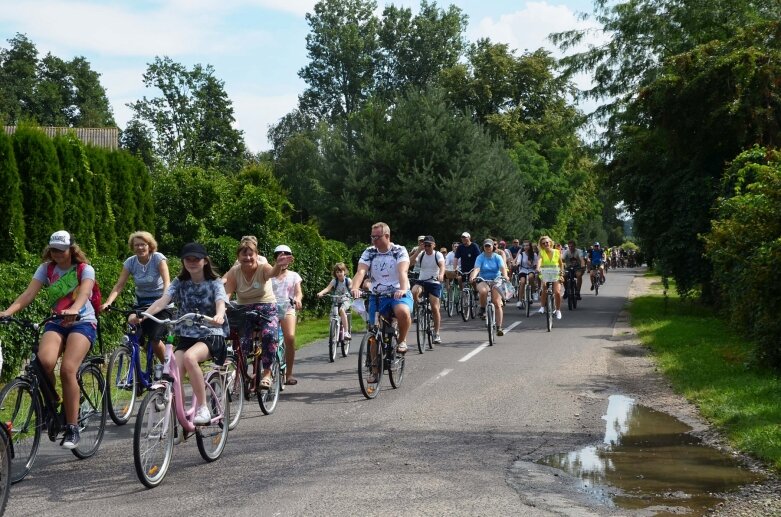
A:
(594, 267)
(524, 274)
(432, 289)
(388, 303)
(216, 345)
(85, 328)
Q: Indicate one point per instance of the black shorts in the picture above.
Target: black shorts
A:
(154, 331)
(216, 345)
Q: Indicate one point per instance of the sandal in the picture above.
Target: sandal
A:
(291, 381)
(265, 383)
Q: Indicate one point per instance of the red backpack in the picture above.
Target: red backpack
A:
(95, 297)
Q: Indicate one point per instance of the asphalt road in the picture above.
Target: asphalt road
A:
(446, 443)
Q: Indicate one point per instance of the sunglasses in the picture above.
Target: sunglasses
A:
(282, 253)
(546, 243)
(375, 237)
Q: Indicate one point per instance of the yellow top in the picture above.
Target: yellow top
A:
(552, 261)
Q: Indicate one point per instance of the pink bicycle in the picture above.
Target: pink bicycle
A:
(153, 439)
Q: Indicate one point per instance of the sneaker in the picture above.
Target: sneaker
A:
(402, 348)
(519, 305)
(558, 315)
(541, 311)
(437, 339)
(592, 287)
(202, 416)
(566, 295)
(499, 331)
(71, 438)
(482, 313)
(347, 335)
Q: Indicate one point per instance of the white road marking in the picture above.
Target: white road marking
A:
(473, 353)
(444, 372)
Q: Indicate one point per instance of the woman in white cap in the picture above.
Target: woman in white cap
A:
(287, 288)
(69, 279)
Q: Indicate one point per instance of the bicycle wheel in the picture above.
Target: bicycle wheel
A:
(212, 438)
(235, 392)
(473, 305)
(121, 385)
(528, 294)
(345, 341)
(267, 399)
(596, 284)
(490, 320)
(420, 328)
(570, 295)
(450, 301)
(5, 470)
(333, 338)
(370, 366)
(575, 294)
(153, 438)
(92, 411)
(20, 408)
(466, 304)
(549, 304)
(396, 367)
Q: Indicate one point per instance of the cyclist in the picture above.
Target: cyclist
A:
(573, 257)
(199, 289)
(340, 285)
(450, 265)
(149, 269)
(432, 271)
(69, 279)
(466, 255)
(387, 265)
(550, 258)
(526, 262)
(596, 258)
(505, 253)
(287, 288)
(413, 256)
(490, 265)
(251, 281)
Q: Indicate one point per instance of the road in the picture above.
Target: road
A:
(446, 443)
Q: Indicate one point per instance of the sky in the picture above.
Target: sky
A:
(256, 47)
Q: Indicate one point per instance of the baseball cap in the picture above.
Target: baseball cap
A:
(466, 234)
(487, 242)
(502, 243)
(421, 237)
(60, 240)
(193, 249)
(428, 239)
(596, 244)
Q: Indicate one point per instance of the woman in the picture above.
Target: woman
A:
(287, 288)
(250, 278)
(69, 280)
(526, 262)
(550, 262)
(149, 270)
(490, 266)
(198, 288)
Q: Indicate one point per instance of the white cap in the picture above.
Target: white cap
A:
(421, 237)
(466, 234)
(283, 248)
(60, 240)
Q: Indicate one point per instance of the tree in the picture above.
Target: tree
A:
(105, 231)
(77, 187)
(191, 123)
(12, 222)
(18, 78)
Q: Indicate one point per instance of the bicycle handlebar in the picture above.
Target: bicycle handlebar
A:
(33, 325)
(191, 317)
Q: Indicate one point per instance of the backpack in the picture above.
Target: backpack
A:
(95, 297)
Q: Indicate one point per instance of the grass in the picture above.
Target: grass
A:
(711, 365)
(311, 329)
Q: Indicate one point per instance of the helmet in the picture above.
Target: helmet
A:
(283, 248)
(596, 244)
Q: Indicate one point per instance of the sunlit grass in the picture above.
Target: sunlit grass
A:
(711, 365)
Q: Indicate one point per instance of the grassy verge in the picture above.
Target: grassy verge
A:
(709, 363)
(311, 329)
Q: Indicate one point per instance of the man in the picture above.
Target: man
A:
(573, 257)
(387, 265)
(596, 259)
(413, 256)
(431, 264)
(466, 255)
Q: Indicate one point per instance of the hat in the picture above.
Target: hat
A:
(502, 243)
(282, 248)
(487, 242)
(466, 234)
(60, 240)
(193, 249)
(421, 237)
(596, 244)
(428, 239)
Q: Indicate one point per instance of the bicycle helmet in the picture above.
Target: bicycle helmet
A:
(282, 248)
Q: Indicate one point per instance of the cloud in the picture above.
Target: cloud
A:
(255, 113)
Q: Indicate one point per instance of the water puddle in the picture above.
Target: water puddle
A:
(649, 461)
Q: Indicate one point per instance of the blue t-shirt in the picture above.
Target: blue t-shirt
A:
(489, 267)
(198, 297)
(149, 282)
(596, 257)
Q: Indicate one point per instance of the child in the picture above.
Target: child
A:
(341, 286)
(197, 289)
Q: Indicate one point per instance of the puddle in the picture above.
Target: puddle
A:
(648, 461)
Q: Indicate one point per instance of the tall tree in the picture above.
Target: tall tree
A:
(12, 221)
(18, 78)
(77, 187)
(191, 122)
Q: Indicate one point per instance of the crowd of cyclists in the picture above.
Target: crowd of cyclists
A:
(496, 271)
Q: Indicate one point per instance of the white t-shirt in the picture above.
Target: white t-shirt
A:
(429, 265)
(383, 270)
(450, 261)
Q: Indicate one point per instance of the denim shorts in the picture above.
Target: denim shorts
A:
(85, 328)
(432, 289)
(387, 304)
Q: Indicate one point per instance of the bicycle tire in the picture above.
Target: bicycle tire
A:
(396, 367)
(574, 295)
(528, 295)
(570, 295)
(466, 304)
(235, 392)
(549, 305)
(211, 438)
(420, 327)
(93, 408)
(122, 380)
(267, 399)
(153, 438)
(21, 406)
(333, 338)
(5, 470)
(490, 322)
(430, 329)
(344, 343)
(370, 390)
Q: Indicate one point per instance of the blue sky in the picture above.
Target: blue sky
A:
(257, 47)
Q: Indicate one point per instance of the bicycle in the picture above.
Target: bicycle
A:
(468, 299)
(155, 430)
(246, 380)
(29, 404)
(337, 334)
(490, 310)
(453, 297)
(126, 378)
(424, 323)
(549, 276)
(571, 288)
(377, 352)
